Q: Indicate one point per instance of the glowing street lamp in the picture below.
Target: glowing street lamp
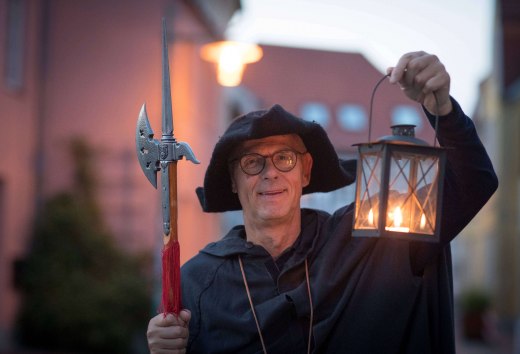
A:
(399, 187)
(231, 59)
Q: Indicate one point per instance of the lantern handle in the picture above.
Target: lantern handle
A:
(436, 119)
(372, 104)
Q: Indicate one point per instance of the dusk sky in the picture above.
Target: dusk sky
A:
(458, 31)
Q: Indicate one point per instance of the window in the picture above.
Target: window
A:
(316, 112)
(352, 117)
(404, 114)
(15, 34)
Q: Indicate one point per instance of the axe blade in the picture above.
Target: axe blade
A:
(147, 147)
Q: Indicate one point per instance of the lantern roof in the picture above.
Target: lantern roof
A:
(402, 134)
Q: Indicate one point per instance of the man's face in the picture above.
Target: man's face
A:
(272, 196)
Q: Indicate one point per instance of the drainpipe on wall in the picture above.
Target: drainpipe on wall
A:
(39, 163)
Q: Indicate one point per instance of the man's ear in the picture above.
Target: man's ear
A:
(307, 168)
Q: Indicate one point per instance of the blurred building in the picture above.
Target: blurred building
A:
(490, 247)
(84, 68)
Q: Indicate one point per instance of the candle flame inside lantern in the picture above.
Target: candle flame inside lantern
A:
(371, 217)
(423, 221)
(398, 217)
(398, 220)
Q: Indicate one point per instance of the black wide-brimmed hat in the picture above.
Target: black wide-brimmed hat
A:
(328, 171)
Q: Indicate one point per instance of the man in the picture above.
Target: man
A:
(293, 280)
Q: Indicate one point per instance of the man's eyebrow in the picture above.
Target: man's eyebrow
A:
(255, 149)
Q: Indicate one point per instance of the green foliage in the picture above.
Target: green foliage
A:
(474, 300)
(82, 294)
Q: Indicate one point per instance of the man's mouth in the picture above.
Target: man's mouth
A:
(270, 193)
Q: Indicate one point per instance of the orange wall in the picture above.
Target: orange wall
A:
(18, 117)
(104, 62)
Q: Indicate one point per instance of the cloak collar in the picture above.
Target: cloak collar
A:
(235, 242)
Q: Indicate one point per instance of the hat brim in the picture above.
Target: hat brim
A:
(328, 171)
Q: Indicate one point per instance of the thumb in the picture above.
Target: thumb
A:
(185, 316)
(396, 74)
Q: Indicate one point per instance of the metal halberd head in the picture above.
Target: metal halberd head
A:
(152, 154)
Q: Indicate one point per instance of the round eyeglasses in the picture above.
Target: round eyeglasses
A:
(253, 163)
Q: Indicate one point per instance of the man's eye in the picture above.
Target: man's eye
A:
(250, 161)
(284, 157)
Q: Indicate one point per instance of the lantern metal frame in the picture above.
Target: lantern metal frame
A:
(375, 180)
(381, 170)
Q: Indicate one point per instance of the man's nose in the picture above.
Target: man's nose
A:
(269, 171)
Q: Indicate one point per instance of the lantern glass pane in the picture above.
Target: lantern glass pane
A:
(412, 196)
(368, 190)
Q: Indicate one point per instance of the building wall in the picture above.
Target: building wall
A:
(106, 63)
(19, 110)
(508, 241)
(508, 73)
(475, 256)
(88, 68)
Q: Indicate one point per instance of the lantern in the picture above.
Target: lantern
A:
(399, 187)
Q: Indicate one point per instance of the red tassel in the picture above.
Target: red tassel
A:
(171, 278)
